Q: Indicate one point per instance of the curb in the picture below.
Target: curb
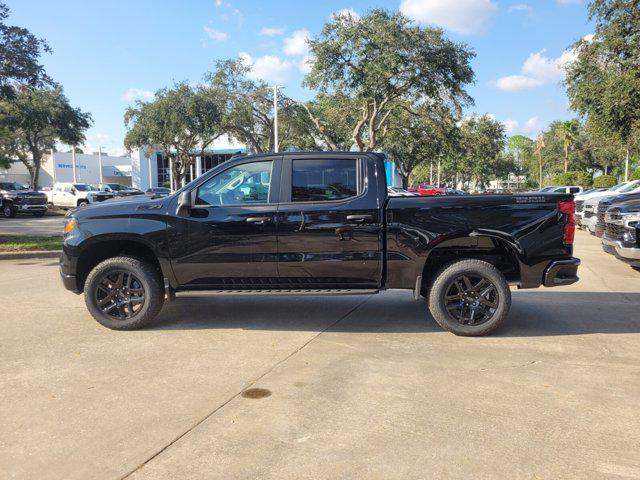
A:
(32, 254)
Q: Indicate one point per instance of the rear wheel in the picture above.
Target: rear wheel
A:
(124, 293)
(82, 203)
(469, 297)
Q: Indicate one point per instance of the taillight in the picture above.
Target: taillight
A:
(570, 227)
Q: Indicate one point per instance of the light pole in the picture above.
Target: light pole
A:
(100, 164)
(275, 117)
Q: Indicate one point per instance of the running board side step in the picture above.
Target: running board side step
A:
(306, 291)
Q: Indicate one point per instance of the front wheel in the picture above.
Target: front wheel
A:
(469, 298)
(9, 211)
(124, 293)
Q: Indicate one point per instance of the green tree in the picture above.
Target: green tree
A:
(178, 119)
(567, 133)
(483, 143)
(605, 181)
(20, 52)
(381, 62)
(419, 138)
(36, 119)
(246, 107)
(603, 82)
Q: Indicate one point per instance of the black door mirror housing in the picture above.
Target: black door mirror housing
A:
(184, 204)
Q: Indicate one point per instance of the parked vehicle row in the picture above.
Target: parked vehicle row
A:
(17, 198)
(613, 215)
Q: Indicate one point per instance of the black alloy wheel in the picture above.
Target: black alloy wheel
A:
(120, 294)
(471, 299)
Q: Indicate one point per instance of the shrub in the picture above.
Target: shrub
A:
(605, 181)
(635, 175)
(582, 179)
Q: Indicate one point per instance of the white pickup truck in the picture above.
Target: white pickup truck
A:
(72, 195)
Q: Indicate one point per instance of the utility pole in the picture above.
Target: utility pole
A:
(431, 173)
(438, 172)
(275, 117)
(73, 163)
(100, 164)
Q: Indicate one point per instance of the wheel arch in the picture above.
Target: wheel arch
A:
(100, 249)
(501, 252)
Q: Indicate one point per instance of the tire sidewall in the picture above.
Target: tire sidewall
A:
(443, 280)
(9, 211)
(136, 267)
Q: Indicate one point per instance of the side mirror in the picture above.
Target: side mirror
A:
(73, 191)
(184, 204)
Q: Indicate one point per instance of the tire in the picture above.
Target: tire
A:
(82, 203)
(444, 294)
(38, 214)
(9, 211)
(101, 287)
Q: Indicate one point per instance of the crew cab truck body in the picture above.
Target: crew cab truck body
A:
(317, 223)
(72, 195)
(15, 198)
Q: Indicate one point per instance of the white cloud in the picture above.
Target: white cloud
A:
(268, 68)
(95, 141)
(569, 2)
(461, 16)
(306, 63)
(272, 31)
(296, 44)
(132, 94)
(216, 35)
(520, 7)
(537, 70)
(516, 83)
(347, 13)
(530, 128)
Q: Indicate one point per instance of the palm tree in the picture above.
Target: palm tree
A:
(567, 133)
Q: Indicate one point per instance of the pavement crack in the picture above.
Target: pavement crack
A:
(237, 394)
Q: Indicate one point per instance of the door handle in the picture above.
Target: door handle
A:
(258, 220)
(359, 218)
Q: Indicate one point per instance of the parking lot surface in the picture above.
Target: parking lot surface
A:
(34, 226)
(351, 387)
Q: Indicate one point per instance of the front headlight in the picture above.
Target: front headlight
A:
(70, 224)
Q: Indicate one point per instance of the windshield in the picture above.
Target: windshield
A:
(12, 186)
(546, 189)
(116, 186)
(628, 187)
(83, 187)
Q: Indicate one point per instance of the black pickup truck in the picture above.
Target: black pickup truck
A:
(15, 198)
(317, 223)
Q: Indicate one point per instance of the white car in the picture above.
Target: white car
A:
(589, 209)
(72, 195)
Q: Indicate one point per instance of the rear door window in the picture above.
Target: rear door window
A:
(323, 180)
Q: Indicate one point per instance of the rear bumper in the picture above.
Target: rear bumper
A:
(630, 253)
(561, 272)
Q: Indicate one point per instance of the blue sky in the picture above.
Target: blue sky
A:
(107, 54)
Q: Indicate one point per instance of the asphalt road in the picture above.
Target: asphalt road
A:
(47, 226)
(353, 387)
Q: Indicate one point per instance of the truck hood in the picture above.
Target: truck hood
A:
(121, 206)
(629, 205)
(22, 194)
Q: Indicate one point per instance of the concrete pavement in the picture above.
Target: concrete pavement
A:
(360, 387)
(47, 226)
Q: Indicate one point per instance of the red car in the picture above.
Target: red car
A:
(427, 190)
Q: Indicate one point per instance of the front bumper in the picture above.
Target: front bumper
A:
(630, 253)
(561, 272)
(31, 208)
